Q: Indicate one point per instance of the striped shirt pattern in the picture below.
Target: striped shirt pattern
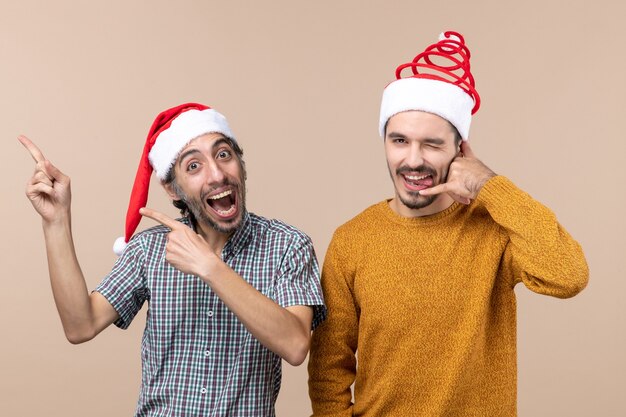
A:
(197, 358)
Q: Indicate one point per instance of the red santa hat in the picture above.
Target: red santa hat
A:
(171, 131)
(440, 83)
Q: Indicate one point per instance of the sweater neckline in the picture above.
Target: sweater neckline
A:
(441, 216)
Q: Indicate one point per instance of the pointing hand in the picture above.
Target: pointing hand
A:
(186, 250)
(48, 189)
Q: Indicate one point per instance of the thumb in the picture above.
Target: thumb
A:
(467, 150)
(55, 173)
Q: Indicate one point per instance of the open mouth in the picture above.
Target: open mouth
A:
(224, 203)
(416, 182)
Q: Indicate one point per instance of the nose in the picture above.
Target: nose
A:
(414, 157)
(215, 174)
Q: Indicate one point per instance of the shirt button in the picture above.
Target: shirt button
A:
(207, 353)
(209, 313)
(203, 391)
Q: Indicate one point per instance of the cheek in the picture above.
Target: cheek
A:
(236, 175)
(394, 157)
(440, 159)
(444, 166)
(192, 184)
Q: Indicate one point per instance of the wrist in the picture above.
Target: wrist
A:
(488, 175)
(57, 223)
(213, 268)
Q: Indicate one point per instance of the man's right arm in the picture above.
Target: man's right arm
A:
(83, 315)
(332, 362)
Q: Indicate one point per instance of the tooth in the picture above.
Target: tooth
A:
(414, 178)
(227, 212)
(220, 195)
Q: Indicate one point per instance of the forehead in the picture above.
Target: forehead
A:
(418, 124)
(202, 143)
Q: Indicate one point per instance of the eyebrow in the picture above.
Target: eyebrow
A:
(219, 143)
(216, 144)
(185, 154)
(434, 141)
(395, 135)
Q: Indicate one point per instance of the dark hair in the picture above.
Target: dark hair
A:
(457, 135)
(170, 178)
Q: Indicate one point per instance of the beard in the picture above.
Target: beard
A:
(196, 207)
(417, 202)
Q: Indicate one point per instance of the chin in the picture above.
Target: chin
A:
(222, 225)
(419, 202)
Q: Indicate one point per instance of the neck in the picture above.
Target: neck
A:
(215, 239)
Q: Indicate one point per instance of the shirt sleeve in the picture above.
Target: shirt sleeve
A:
(540, 252)
(125, 286)
(298, 281)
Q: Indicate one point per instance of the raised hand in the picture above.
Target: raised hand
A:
(466, 177)
(48, 189)
(186, 250)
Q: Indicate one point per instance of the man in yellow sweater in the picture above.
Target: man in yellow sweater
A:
(420, 287)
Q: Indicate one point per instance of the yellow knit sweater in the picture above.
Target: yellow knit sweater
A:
(427, 304)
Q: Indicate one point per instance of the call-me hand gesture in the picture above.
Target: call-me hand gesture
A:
(466, 177)
(186, 250)
(48, 189)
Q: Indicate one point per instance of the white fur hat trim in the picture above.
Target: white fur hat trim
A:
(184, 128)
(438, 97)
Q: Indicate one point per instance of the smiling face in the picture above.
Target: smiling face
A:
(419, 147)
(209, 177)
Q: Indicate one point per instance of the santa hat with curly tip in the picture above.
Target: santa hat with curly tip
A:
(440, 82)
(171, 131)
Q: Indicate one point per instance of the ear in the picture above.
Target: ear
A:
(169, 189)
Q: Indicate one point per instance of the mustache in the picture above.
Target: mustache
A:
(224, 183)
(421, 169)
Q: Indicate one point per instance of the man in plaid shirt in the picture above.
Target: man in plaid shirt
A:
(230, 293)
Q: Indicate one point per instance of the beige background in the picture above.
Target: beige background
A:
(301, 84)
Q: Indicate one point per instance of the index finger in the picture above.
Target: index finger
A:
(164, 219)
(32, 148)
(437, 189)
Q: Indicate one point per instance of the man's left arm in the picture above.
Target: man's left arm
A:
(285, 331)
(541, 252)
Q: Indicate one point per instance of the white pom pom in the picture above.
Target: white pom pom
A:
(442, 37)
(119, 246)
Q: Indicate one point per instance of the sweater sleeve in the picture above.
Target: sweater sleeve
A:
(540, 253)
(332, 361)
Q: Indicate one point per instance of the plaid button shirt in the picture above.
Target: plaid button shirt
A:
(197, 357)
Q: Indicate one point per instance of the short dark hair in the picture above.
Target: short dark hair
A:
(170, 178)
